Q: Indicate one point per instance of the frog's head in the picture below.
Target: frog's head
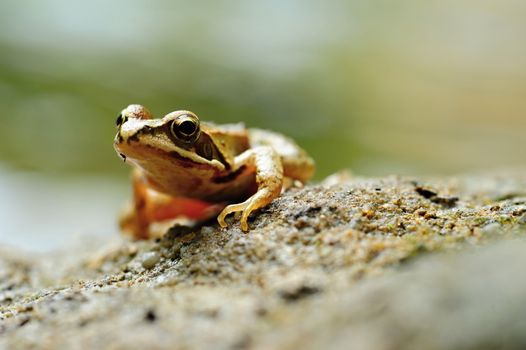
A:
(171, 144)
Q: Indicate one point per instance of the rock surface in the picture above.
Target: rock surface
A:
(350, 263)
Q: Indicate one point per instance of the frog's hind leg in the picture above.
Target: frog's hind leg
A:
(266, 163)
(150, 206)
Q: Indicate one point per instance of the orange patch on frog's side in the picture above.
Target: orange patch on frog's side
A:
(194, 209)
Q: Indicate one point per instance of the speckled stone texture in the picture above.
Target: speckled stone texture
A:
(349, 263)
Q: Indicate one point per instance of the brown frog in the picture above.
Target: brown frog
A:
(185, 167)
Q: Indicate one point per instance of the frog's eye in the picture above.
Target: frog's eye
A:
(186, 128)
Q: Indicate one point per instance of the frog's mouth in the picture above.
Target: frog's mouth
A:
(186, 156)
(116, 145)
(144, 151)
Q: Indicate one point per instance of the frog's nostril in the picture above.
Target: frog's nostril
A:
(120, 120)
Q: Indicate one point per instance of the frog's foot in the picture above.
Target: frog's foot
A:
(269, 179)
(260, 199)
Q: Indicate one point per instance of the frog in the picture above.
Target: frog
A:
(185, 167)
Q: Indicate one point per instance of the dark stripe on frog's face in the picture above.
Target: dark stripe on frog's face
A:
(145, 130)
(205, 148)
(229, 177)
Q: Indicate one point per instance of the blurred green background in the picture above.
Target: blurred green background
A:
(381, 87)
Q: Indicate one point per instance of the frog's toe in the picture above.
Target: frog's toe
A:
(258, 200)
(233, 208)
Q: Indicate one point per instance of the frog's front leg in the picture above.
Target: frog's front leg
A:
(267, 166)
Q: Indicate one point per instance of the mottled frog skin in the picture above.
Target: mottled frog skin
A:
(188, 168)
